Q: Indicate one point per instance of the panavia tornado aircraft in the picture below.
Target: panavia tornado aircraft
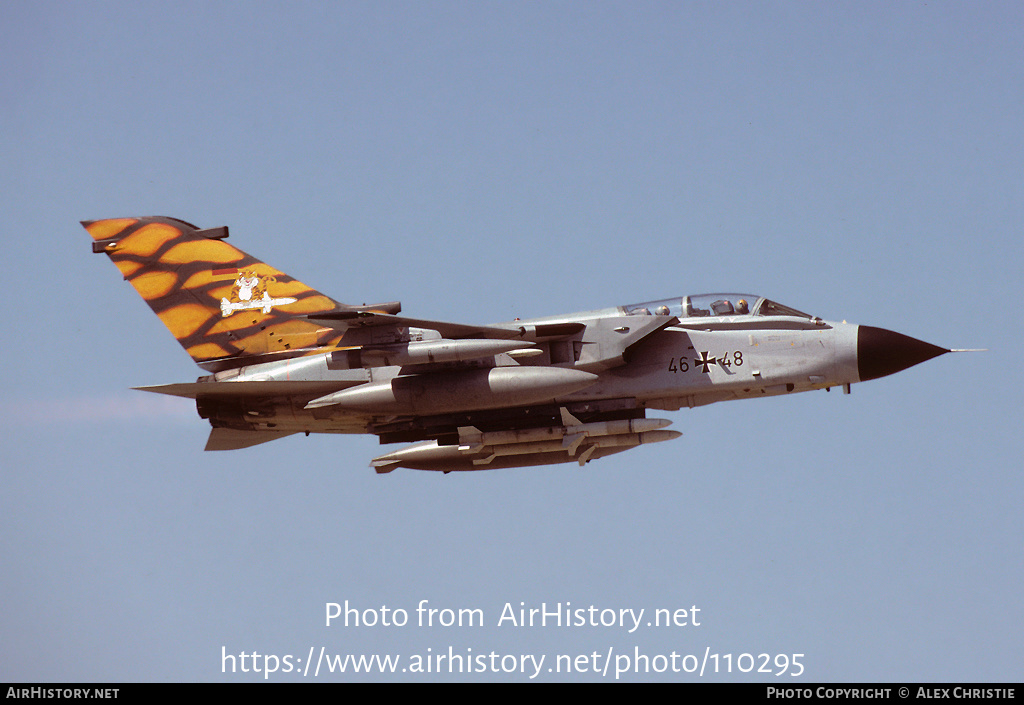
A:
(284, 359)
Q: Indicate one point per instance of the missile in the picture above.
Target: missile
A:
(623, 439)
(421, 353)
(446, 392)
(431, 456)
(571, 434)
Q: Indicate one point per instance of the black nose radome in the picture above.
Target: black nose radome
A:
(882, 352)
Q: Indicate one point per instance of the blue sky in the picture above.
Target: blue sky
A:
(478, 162)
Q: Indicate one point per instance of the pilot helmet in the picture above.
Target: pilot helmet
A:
(741, 306)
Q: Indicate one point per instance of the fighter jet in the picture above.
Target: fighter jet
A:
(283, 358)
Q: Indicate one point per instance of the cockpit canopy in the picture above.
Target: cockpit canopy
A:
(713, 305)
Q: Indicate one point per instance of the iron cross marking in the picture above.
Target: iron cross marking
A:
(704, 362)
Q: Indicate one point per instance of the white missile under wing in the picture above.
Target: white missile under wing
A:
(282, 358)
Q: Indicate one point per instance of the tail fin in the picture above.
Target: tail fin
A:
(220, 303)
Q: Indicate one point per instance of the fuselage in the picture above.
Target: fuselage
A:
(668, 354)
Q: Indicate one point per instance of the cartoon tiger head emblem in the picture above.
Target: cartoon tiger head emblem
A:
(249, 286)
(250, 292)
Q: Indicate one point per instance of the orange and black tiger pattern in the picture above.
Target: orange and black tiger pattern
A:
(221, 304)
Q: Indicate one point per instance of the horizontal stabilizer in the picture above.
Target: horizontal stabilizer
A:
(233, 439)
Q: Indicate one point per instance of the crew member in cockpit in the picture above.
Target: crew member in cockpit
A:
(742, 307)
